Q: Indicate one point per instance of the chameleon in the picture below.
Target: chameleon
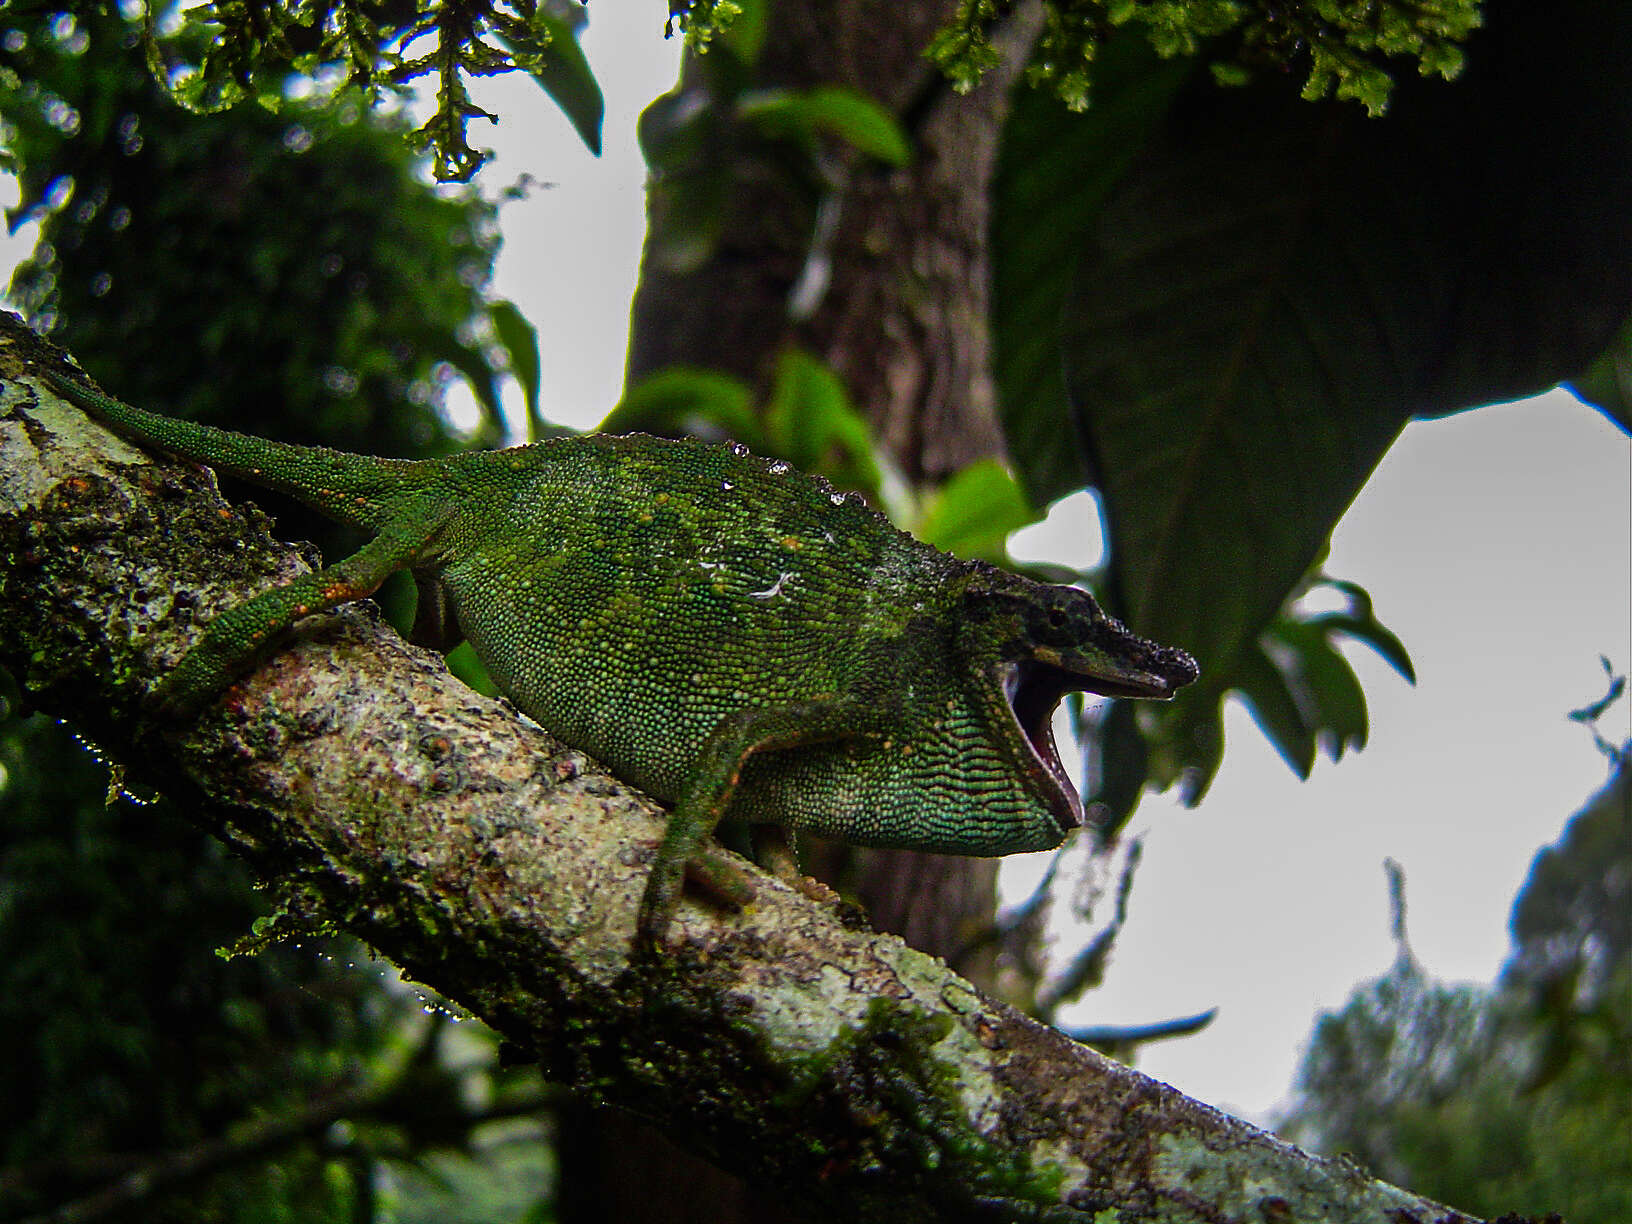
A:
(739, 640)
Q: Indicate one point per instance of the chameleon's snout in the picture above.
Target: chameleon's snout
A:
(1123, 664)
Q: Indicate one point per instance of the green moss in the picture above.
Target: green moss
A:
(905, 1096)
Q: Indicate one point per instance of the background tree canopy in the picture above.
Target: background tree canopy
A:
(1214, 298)
(1504, 1097)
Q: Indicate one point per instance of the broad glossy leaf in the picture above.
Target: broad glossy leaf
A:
(1056, 170)
(1266, 291)
(520, 341)
(838, 111)
(1274, 288)
(565, 75)
(973, 514)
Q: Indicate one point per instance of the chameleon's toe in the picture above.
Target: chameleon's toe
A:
(716, 873)
(710, 870)
(657, 907)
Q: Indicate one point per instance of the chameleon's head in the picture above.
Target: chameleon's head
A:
(1030, 644)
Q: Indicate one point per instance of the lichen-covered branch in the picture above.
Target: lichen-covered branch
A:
(378, 794)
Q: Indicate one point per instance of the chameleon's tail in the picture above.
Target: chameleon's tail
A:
(351, 488)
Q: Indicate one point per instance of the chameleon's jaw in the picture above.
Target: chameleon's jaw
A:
(1033, 690)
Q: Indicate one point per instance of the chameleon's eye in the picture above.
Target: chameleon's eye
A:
(1053, 624)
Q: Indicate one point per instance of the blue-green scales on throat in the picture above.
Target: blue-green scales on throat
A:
(728, 634)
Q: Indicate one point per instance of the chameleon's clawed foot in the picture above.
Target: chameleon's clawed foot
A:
(173, 703)
(711, 870)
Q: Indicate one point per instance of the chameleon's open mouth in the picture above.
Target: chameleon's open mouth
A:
(1034, 687)
(1033, 691)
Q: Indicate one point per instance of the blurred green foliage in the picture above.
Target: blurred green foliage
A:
(327, 291)
(292, 274)
(809, 419)
(708, 141)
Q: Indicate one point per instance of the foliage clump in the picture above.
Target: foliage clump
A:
(1341, 41)
(326, 288)
(378, 48)
(216, 55)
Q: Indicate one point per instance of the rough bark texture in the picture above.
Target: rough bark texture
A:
(839, 1068)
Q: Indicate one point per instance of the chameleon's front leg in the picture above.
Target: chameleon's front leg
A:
(685, 850)
(236, 637)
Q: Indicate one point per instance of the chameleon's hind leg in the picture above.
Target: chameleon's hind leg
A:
(708, 792)
(236, 638)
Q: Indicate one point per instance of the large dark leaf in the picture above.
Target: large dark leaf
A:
(559, 66)
(1607, 383)
(1057, 170)
(1274, 288)
(1264, 291)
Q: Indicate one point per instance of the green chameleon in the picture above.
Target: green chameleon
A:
(729, 635)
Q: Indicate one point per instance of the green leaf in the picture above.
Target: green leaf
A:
(1327, 689)
(1366, 629)
(688, 400)
(1360, 622)
(519, 339)
(811, 422)
(1607, 383)
(1263, 686)
(839, 111)
(1055, 170)
(973, 514)
(557, 63)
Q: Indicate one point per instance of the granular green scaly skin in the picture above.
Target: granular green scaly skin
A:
(730, 635)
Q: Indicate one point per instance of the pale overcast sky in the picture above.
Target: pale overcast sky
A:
(1497, 544)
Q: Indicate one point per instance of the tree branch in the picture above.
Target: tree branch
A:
(381, 795)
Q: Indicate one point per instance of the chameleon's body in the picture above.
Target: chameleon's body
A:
(725, 633)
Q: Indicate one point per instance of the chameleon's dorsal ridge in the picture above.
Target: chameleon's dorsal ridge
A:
(741, 641)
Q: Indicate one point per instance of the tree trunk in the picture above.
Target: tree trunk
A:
(885, 279)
